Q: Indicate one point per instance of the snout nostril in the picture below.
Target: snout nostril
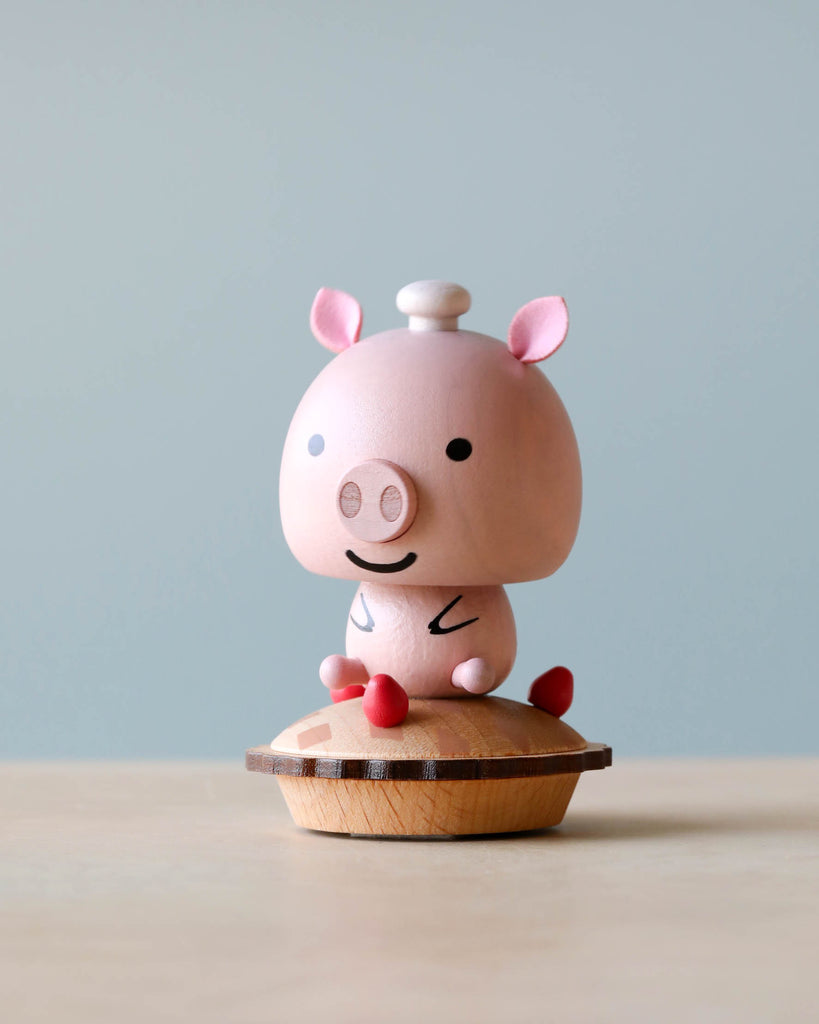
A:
(349, 500)
(391, 503)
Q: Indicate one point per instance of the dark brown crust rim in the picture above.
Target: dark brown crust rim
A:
(267, 761)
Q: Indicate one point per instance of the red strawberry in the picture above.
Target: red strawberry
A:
(385, 702)
(553, 691)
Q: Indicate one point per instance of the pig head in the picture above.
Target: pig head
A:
(432, 456)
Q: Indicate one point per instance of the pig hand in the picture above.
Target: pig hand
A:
(475, 676)
(338, 672)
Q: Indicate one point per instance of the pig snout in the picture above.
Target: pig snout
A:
(376, 501)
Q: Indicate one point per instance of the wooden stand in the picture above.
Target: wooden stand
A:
(454, 767)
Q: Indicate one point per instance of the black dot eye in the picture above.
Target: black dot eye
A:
(459, 449)
(316, 444)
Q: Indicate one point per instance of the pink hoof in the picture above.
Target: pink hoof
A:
(338, 672)
(553, 691)
(347, 693)
(475, 676)
(385, 702)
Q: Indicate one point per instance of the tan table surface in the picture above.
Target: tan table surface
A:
(673, 891)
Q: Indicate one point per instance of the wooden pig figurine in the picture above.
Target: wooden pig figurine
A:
(433, 465)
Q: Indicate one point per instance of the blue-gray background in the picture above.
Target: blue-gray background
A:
(179, 179)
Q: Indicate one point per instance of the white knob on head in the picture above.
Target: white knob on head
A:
(433, 305)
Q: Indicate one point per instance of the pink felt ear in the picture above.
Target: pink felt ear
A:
(538, 329)
(335, 319)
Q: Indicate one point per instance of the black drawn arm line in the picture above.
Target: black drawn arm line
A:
(435, 627)
(368, 626)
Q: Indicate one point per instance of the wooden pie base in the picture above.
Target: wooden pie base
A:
(454, 767)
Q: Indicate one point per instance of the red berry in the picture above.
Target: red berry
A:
(553, 691)
(385, 702)
(346, 693)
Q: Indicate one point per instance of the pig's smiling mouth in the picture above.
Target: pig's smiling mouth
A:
(405, 563)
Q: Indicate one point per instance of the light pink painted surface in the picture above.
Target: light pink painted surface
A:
(386, 408)
(401, 645)
(335, 319)
(538, 329)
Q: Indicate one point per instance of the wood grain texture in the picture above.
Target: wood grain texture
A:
(268, 762)
(673, 891)
(454, 767)
(433, 730)
(400, 808)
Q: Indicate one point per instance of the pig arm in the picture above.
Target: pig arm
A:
(337, 671)
(480, 675)
(436, 627)
(475, 675)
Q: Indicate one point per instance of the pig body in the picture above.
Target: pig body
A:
(422, 636)
(432, 465)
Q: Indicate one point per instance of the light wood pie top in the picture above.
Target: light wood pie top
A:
(436, 729)
(487, 737)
